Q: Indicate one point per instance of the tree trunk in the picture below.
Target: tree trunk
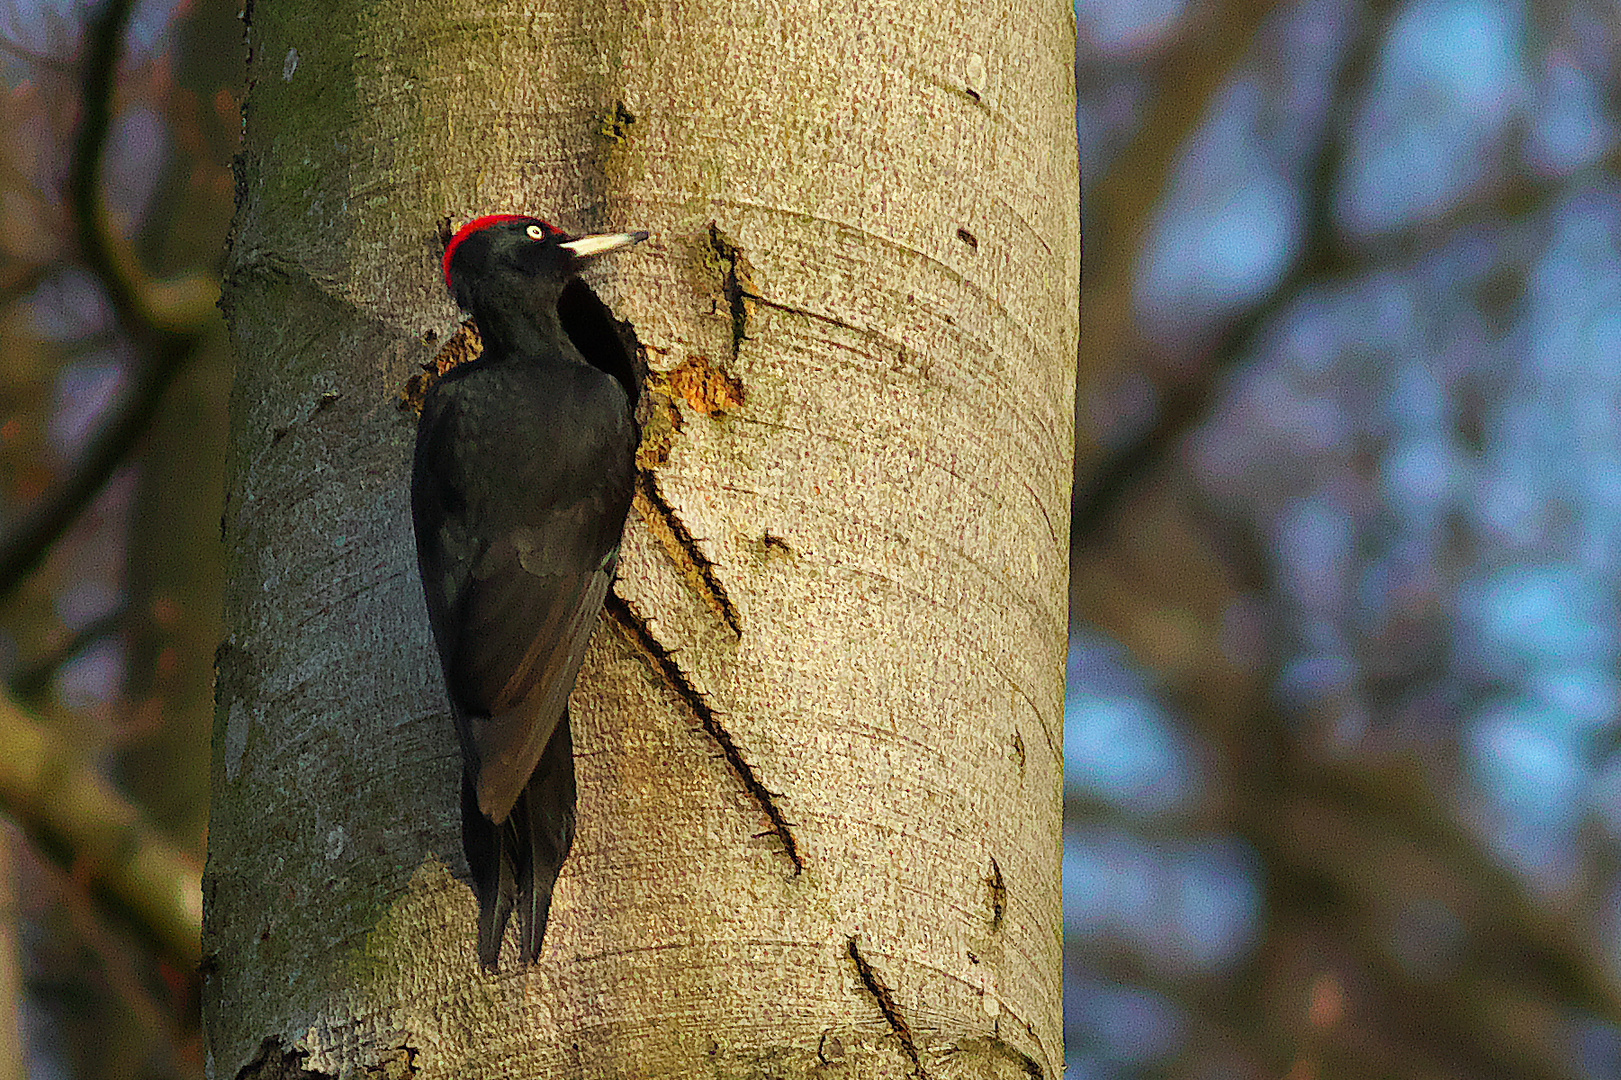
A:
(818, 733)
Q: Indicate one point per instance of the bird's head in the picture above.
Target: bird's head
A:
(500, 259)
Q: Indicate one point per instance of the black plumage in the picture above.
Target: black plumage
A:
(522, 479)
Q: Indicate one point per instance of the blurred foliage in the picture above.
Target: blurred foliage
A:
(1344, 798)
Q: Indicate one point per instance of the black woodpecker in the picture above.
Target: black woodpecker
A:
(524, 466)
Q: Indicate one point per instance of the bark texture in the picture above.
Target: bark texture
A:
(818, 734)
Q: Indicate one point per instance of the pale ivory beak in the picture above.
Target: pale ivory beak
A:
(587, 247)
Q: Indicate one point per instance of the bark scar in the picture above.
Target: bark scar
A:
(637, 630)
(732, 285)
(815, 316)
(678, 542)
(998, 886)
(1032, 1067)
(278, 1061)
(886, 1005)
(831, 320)
(1000, 1047)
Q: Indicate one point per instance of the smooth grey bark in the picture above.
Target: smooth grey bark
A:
(818, 734)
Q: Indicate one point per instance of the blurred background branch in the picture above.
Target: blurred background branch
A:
(71, 812)
(115, 191)
(1343, 787)
(167, 320)
(1185, 392)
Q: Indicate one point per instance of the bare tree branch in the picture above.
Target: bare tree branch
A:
(73, 815)
(1099, 493)
(43, 61)
(1121, 203)
(148, 309)
(28, 539)
(166, 320)
(29, 682)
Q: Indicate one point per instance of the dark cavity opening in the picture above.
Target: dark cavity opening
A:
(608, 345)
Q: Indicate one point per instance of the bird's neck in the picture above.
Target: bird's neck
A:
(518, 334)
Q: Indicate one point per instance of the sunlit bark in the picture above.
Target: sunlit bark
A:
(818, 732)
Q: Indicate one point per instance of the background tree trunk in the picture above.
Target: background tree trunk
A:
(818, 735)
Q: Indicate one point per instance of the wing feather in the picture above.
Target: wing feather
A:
(539, 627)
(515, 584)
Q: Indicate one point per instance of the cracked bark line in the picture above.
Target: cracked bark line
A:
(640, 635)
(886, 1005)
(679, 544)
(998, 886)
(734, 285)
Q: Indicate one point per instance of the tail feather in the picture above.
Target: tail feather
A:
(515, 864)
(490, 865)
(544, 820)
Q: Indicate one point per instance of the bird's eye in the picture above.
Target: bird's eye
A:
(536, 232)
